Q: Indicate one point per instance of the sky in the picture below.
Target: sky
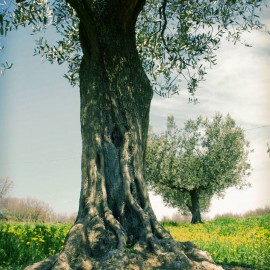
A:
(40, 141)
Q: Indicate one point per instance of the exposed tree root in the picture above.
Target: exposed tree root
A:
(172, 255)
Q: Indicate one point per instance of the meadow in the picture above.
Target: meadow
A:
(240, 242)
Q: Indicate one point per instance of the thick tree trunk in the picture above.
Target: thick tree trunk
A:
(115, 226)
(115, 103)
(195, 207)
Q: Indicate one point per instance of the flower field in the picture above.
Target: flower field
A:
(23, 244)
(242, 242)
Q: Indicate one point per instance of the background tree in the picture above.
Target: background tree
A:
(5, 187)
(29, 209)
(32, 210)
(189, 166)
(109, 45)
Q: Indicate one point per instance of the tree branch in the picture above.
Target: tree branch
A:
(174, 186)
(162, 14)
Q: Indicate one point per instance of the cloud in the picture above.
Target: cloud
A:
(237, 85)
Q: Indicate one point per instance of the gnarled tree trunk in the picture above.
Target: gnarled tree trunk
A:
(195, 207)
(115, 226)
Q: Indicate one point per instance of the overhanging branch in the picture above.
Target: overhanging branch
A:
(162, 15)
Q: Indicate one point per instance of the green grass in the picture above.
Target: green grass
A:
(23, 244)
(241, 242)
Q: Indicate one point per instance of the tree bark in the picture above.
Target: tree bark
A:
(195, 207)
(116, 225)
(115, 102)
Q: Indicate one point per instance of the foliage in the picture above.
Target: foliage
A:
(177, 40)
(251, 213)
(243, 242)
(206, 156)
(43, 15)
(22, 244)
(182, 37)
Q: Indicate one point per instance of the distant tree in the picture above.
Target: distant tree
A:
(268, 149)
(188, 167)
(5, 186)
(27, 209)
(64, 218)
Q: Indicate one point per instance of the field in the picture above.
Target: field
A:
(242, 242)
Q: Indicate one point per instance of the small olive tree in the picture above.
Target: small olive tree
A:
(188, 166)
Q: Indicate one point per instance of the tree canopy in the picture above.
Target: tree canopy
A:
(176, 40)
(203, 159)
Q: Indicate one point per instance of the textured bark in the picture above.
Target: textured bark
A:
(116, 226)
(115, 103)
(195, 207)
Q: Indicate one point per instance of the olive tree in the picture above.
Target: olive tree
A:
(120, 52)
(189, 166)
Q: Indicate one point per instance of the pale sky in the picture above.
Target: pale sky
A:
(40, 143)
